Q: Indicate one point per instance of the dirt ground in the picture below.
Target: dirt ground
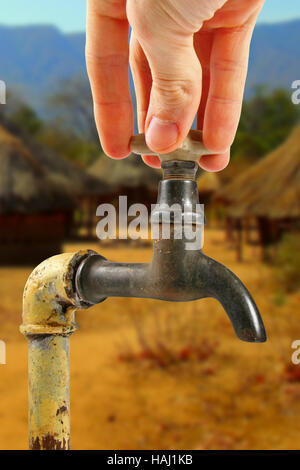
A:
(156, 375)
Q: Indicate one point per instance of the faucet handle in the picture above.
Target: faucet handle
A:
(191, 149)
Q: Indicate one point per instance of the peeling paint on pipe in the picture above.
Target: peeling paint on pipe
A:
(49, 305)
(49, 392)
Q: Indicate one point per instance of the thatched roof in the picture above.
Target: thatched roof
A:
(24, 185)
(130, 172)
(62, 171)
(208, 182)
(271, 188)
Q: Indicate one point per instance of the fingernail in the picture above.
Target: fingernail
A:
(161, 134)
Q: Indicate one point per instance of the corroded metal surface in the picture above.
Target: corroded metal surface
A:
(49, 392)
(49, 300)
(49, 305)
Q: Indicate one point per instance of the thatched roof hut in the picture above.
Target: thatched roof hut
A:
(34, 210)
(129, 176)
(271, 187)
(132, 176)
(208, 184)
(25, 187)
(267, 195)
(65, 173)
(86, 190)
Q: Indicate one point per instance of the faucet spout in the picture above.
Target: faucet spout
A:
(223, 285)
(200, 277)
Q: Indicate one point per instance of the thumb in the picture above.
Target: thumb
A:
(174, 99)
(176, 81)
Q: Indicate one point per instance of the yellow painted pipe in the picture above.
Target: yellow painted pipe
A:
(49, 392)
(49, 305)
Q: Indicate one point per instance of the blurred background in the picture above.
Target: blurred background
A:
(147, 374)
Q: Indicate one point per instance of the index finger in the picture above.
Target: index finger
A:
(107, 59)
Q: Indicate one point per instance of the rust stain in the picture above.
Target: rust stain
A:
(49, 442)
(61, 410)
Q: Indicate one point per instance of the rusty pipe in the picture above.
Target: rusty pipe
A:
(49, 305)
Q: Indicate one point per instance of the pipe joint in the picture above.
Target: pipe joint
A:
(50, 299)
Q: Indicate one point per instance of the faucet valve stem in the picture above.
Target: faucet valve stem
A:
(179, 170)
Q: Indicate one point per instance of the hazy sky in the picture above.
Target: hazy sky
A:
(69, 15)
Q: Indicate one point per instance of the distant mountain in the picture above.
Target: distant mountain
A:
(275, 55)
(34, 59)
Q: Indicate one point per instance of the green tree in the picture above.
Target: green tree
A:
(71, 129)
(68, 144)
(27, 120)
(71, 108)
(266, 122)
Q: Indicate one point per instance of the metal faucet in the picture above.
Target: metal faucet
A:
(179, 272)
(176, 273)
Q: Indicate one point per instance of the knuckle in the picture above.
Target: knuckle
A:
(111, 8)
(230, 66)
(225, 101)
(174, 92)
(112, 60)
(147, 18)
(96, 62)
(137, 57)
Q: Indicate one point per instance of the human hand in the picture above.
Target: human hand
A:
(186, 56)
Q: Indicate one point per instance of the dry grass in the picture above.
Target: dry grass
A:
(211, 391)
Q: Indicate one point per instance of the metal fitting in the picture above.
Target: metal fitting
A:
(49, 305)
